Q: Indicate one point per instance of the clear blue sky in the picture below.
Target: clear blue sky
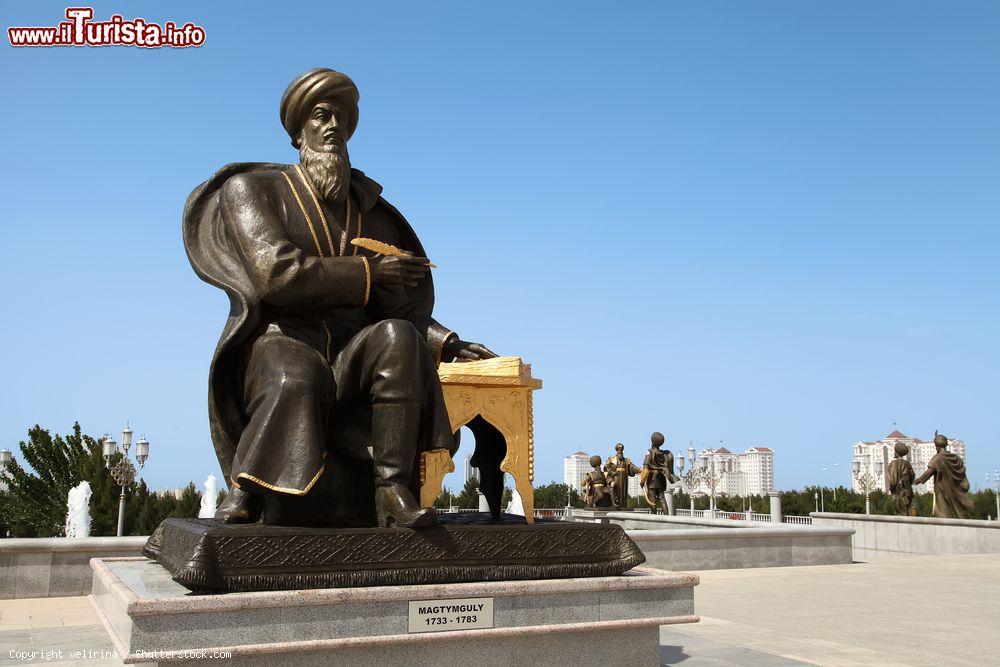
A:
(763, 223)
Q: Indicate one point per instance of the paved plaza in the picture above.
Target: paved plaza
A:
(909, 610)
(906, 610)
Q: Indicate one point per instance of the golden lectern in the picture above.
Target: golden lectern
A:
(493, 398)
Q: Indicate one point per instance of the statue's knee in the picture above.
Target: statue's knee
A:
(290, 367)
(397, 330)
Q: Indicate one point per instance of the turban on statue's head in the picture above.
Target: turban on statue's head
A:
(901, 449)
(311, 88)
(940, 440)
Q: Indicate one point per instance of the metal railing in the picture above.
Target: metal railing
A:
(755, 517)
(752, 517)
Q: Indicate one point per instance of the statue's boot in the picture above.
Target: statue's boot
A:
(238, 507)
(395, 429)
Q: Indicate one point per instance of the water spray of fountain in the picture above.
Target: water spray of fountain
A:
(78, 514)
(208, 499)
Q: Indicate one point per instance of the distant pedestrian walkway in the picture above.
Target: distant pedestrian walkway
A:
(945, 609)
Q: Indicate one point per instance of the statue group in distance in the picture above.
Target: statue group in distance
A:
(607, 488)
(951, 485)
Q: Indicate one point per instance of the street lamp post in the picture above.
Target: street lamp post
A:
(996, 489)
(6, 458)
(713, 481)
(123, 471)
(748, 509)
(865, 481)
(691, 476)
(822, 499)
(680, 471)
(816, 499)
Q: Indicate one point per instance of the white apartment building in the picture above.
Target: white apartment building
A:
(757, 464)
(749, 473)
(874, 457)
(574, 468)
(633, 485)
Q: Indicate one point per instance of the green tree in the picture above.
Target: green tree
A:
(469, 497)
(553, 496)
(188, 504)
(5, 527)
(146, 510)
(445, 500)
(166, 504)
(36, 505)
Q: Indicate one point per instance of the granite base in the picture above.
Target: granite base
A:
(153, 619)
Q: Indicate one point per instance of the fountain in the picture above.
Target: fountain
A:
(515, 506)
(78, 516)
(208, 499)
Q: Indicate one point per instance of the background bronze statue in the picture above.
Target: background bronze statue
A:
(657, 473)
(899, 480)
(596, 494)
(951, 486)
(323, 388)
(619, 469)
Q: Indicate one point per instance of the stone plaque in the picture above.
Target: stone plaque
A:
(457, 614)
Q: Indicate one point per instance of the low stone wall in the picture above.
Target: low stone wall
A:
(878, 536)
(59, 566)
(685, 543)
(56, 566)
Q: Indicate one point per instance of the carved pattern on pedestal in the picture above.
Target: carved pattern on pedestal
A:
(203, 554)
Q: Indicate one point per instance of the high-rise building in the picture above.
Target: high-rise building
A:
(750, 473)
(574, 468)
(757, 465)
(872, 458)
(633, 486)
(471, 472)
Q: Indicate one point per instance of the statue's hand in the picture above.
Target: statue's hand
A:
(398, 269)
(456, 349)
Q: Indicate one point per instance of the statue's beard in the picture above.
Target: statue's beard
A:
(329, 172)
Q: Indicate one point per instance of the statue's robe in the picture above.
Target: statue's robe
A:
(899, 478)
(595, 490)
(620, 469)
(658, 469)
(310, 341)
(951, 486)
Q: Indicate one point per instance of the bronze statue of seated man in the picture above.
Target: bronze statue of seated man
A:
(327, 364)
